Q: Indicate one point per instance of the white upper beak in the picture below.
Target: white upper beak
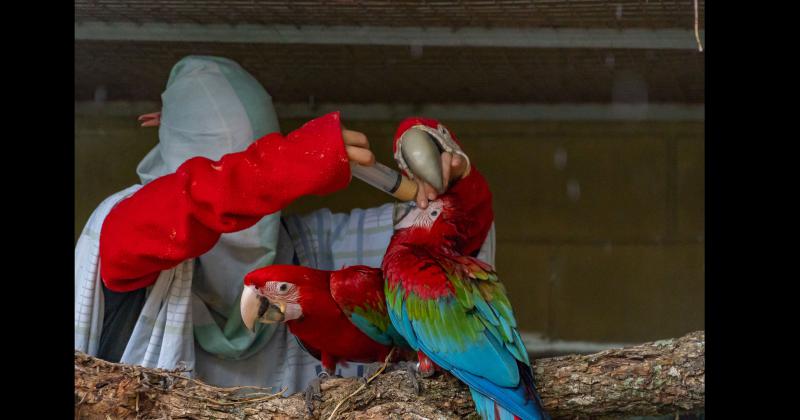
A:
(249, 305)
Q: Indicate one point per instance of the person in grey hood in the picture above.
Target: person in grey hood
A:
(159, 266)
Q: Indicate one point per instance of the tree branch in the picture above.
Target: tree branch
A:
(664, 377)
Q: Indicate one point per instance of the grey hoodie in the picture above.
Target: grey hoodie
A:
(211, 107)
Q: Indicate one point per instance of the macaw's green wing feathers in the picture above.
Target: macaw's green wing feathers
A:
(456, 309)
(489, 299)
(358, 290)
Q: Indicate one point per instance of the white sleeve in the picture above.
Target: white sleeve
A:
(330, 241)
(487, 249)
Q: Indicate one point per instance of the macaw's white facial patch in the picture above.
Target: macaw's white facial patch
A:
(280, 292)
(293, 311)
(422, 218)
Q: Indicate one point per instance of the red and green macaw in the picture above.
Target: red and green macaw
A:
(451, 306)
(338, 316)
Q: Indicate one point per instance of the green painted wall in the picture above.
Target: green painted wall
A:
(600, 225)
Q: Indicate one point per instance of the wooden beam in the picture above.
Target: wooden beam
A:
(461, 112)
(681, 39)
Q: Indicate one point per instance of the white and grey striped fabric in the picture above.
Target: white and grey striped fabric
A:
(330, 241)
(88, 292)
(162, 337)
(165, 324)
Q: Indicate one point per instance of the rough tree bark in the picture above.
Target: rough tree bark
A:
(663, 377)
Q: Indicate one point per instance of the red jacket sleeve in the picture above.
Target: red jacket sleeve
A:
(182, 215)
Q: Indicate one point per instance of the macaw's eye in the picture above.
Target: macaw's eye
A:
(283, 287)
(434, 213)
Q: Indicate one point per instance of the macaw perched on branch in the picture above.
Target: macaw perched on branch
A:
(448, 304)
(339, 316)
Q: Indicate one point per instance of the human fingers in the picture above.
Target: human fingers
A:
(355, 138)
(430, 192)
(152, 119)
(422, 200)
(360, 155)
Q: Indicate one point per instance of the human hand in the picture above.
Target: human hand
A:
(357, 147)
(152, 119)
(454, 166)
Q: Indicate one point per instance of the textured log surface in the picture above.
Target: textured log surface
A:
(663, 377)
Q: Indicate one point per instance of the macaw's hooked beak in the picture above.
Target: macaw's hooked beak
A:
(257, 308)
(423, 156)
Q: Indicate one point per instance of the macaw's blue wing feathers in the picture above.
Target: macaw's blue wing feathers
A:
(486, 366)
(519, 350)
(467, 328)
(372, 330)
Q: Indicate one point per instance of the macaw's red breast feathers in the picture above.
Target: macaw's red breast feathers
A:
(424, 277)
(470, 201)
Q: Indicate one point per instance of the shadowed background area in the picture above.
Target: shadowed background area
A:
(594, 150)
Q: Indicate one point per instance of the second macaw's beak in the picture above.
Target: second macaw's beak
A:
(257, 308)
(423, 157)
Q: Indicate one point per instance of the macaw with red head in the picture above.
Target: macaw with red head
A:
(449, 305)
(338, 316)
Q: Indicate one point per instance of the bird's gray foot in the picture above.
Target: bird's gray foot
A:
(411, 369)
(314, 390)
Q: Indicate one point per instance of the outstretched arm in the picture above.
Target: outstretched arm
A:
(183, 214)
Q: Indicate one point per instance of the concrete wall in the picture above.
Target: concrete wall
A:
(599, 224)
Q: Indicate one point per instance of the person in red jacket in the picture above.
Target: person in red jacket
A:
(159, 266)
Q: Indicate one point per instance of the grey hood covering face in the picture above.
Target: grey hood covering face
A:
(211, 107)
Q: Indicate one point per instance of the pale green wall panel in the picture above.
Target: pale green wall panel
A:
(600, 224)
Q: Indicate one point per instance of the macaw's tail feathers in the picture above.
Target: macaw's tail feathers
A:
(526, 373)
(523, 400)
(490, 410)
